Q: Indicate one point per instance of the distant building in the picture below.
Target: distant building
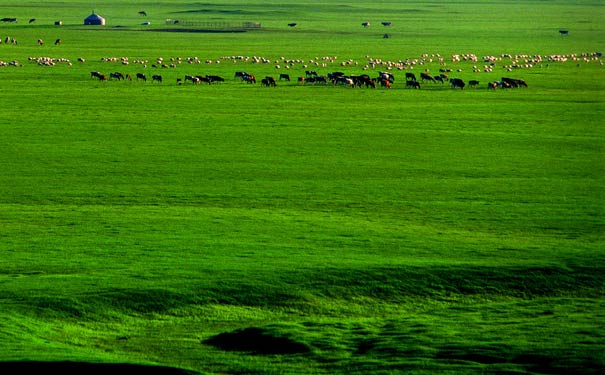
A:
(94, 19)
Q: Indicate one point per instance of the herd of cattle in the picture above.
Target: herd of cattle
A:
(384, 79)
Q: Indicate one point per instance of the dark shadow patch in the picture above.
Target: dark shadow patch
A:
(257, 341)
(478, 357)
(77, 368)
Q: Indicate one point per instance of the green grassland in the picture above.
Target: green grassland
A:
(304, 229)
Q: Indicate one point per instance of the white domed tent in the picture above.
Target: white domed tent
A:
(94, 19)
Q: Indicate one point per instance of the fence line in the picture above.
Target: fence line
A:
(216, 25)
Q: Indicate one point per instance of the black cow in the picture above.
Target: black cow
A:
(412, 84)
(335, 75)
(117, 75)
(268, 81)
(457, 83)
(191, 78)
(514, 82)
(157, 78)
(473, 83)
(141, 76)
(320, 79)
(284, 77)
(203, 79)
(410, 76)
(215, 78)
(292, 24)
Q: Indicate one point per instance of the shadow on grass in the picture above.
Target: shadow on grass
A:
(73, 368)
(257, 341)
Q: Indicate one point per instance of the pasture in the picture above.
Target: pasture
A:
(232, 228)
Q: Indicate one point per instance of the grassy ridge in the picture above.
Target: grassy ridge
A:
(323, 229)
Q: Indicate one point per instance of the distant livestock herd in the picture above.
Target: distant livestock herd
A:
(384, 79)
(415, 70)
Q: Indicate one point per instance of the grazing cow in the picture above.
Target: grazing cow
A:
(215, 78)
(412, 84)
(32, 20)
(504, 85)
(438, 78)
(473, 83)
(190, 78)
(386, 24)
(57, 42)
(40, 42)
(95, 75)
(268, 81)
(203, 79)
(410, 76)
(564, 32)
(301, 80)
(492, 85)
(143, 13)
(310, 73)
(514, 82)
(335, 75)
(156, 77)
(320, 79)
(245, 77)
(426, 77)
(365, 24)
(385, 83)
(141, 76)
(386, 75)
(249, 78)
(284, 77)
(117, 75)
(179, 81)
(292, 24)
(457, 83)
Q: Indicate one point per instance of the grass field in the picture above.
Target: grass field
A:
(304, 229)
